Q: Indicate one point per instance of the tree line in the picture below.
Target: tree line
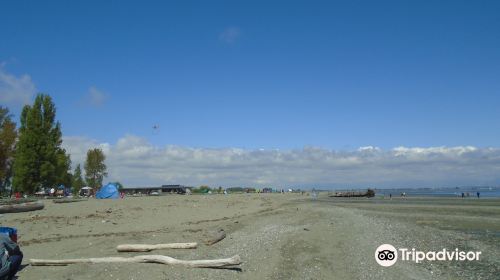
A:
(32, 157)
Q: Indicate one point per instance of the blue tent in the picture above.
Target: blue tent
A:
(108, 191)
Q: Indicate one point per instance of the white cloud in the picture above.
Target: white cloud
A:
(96, 97)
(135, 162)
(78, 147)
(15, 91)
(230, 35)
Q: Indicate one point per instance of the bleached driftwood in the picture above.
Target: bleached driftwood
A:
(234, 260)
(148, 247)
(10, 201)
(218, 236)
(21, 207)
(67, 200)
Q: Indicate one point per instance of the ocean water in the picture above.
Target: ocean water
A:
(485, 192)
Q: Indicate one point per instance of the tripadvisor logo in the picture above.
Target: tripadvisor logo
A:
(387, 255)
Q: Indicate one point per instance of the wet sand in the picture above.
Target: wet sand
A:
(278, 236)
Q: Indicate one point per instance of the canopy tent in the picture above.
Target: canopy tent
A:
(108, 191)
(86, 191)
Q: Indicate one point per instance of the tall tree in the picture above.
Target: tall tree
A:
(119, 185)
(95, 169)
(8, 135)
(63, 167)
(39, 160)
(78, 182)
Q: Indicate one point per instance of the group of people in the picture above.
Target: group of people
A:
(478, 194)
(403, 195)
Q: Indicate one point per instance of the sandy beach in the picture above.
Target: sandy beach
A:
(278, 236)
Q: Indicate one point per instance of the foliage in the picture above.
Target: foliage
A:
(235, 190)
(40, 161)
(63, 167)
(119, 185)
(8, 135)
(77, 180)
(95, 169)
(201, 189)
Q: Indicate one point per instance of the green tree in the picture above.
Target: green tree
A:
(201, 189)
(8, 135)
(119, 185)
(78, 182)
(63, 167)
(95, 169)
(39, 160)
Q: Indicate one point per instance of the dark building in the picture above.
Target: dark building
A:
(180, 189)
(174, 189)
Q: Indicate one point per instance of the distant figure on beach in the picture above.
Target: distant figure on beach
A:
(390, 196)
(314, 194)
(463, 195)
(478, 194)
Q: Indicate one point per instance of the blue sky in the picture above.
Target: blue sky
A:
(260, 74)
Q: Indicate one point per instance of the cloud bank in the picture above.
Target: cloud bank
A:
(15, 91)
(135, 162)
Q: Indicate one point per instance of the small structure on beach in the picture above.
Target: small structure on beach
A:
(108, 191)
(86, 191)
(367, 193)
(179, 189)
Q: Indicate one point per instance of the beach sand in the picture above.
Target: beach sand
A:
(278, 236)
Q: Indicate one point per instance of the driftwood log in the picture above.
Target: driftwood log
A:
(148, 247)
(235, 260)
(216, 237)
(16, 201)
(21, 207)
(67, 200)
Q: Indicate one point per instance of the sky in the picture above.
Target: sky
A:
(295, 93)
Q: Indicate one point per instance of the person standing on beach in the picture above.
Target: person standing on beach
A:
(10, 257)
(478, 194)
(463, 195)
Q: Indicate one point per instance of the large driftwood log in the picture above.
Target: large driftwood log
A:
(218, 236)
(10, 201)
(21, 207)
(235, 260)
(150, 247)
(67, 200)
